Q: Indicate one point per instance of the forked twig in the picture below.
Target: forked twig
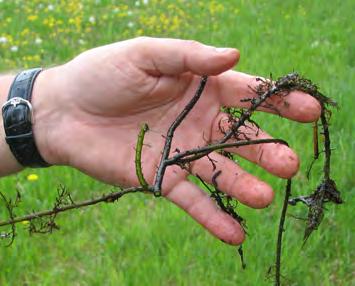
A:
(170, 134)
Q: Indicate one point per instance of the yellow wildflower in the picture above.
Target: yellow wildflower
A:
(32, 177)
(32, 18)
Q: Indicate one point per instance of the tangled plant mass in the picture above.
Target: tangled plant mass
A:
(325, 192)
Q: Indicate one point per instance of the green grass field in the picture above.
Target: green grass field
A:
(145, 241)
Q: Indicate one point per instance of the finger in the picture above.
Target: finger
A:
(236, 86)
(205, 211)
(234, 181)
(173, 57)
(278, 159)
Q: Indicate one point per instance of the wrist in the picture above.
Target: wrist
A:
(45, 119)
(46, 114)
(8, 163)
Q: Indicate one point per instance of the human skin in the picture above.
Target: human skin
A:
(88, 113)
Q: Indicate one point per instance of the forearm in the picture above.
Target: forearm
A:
(8, 163)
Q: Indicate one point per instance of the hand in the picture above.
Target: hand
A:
(89, 111)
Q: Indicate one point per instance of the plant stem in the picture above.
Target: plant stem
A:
(138, 158)
(198, 153)
(105, 198)
(170, 134)
(280, 232)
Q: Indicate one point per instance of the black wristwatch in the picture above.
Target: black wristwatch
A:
(17, 116)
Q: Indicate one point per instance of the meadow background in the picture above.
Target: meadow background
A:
(145, 241)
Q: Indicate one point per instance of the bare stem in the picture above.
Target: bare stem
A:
(327, 149)
(138, 159)
(280, 232)
(108, 198)
(197, 153)
(170, 134)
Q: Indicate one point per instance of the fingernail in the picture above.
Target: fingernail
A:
(223, 50)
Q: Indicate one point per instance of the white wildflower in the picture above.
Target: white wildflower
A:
(38, 41)
(92, 20)
(14, 49)
(3, 40)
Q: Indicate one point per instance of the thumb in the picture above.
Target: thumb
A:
(159, 56)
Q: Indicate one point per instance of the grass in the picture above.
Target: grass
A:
(144, 241)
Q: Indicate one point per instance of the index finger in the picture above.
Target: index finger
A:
(236, 86)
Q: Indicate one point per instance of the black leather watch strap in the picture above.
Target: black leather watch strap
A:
(18, 119)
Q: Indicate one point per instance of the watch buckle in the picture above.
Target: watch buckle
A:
(16, 101)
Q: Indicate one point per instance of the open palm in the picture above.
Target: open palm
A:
(106, 94)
